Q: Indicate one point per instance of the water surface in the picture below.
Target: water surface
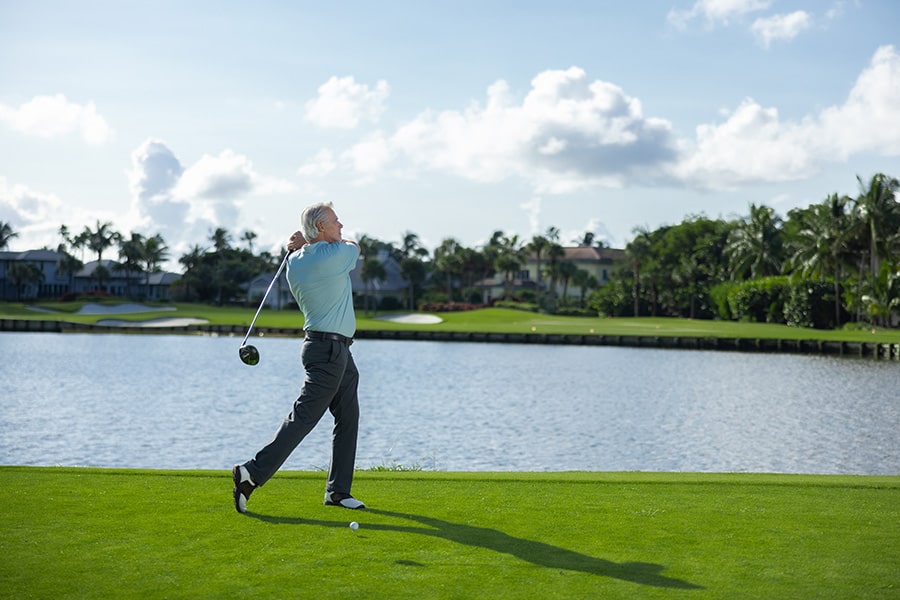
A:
(166, 401)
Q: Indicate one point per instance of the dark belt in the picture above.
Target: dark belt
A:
(321, 336)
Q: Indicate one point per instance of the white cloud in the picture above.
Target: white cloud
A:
(321, 165)
(224, 177)
(754, 145)
(532, 208)
(837, 9)
(185, 203)
(568, 132)
(716, 12)
(479, 143)
(780, 27)
(154, 170)
(23, 207)
(37, 216)
(369, 156)
(342, 103)
(54, 116)
(870, 118)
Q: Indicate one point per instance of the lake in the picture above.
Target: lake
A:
(187, 402)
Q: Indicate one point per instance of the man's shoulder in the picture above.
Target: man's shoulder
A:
(327, 252)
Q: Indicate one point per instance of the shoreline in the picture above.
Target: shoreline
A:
(876, 350)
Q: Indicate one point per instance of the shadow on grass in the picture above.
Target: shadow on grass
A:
(537, 553)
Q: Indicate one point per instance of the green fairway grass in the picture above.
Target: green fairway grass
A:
(94, 533)
(487, 320)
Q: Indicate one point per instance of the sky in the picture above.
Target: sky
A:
(442, 119)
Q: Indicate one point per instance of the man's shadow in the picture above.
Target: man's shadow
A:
(536, 553)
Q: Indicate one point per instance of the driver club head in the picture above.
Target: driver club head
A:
(249, 355)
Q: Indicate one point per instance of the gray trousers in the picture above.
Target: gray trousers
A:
(330, 384)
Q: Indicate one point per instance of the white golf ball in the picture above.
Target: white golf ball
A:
(354, 525)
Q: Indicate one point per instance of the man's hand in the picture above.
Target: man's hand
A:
(296, 242)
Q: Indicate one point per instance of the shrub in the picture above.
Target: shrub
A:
(447, 306)
(811, 304)
(719, 296)
(574, 311)
(759, 300)
(390, 303)
(614, 300)
(528, 306)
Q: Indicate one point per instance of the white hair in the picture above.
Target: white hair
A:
(310, 218)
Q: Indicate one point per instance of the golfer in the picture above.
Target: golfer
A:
(319, 276)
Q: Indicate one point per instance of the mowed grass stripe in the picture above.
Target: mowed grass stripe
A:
(92, 533)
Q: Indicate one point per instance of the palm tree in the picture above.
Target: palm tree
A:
(101, 238)
(6, 234)
(882, 295)
(192, 258)
(68, 265)
(755, 245)
(822, 242)
(448, 261)
(372, 268)
(552, 234)
(221, 239)
(155, 252)
(22, 274)
(249, 236)
(537, 246)
(510, 259)
(638, 251)
(585, 281)
(414, 271)
(80, 241)
(879, 210)
(587, 239)
(65, 235)
(567, 270)
(412, 268)
(555, 254)
(410, 246)
(191, 261)
(131, 251)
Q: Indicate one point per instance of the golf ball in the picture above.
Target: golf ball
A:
(354, 525)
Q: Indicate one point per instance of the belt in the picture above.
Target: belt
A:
(324, 335)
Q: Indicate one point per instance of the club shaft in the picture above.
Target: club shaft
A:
(266, 295)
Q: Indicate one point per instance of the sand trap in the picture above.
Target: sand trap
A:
(414, 319)
(161, 322)
(98, 309)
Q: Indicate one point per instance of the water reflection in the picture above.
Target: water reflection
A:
(161, 401)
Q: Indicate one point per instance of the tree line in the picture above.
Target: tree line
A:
(825, 265)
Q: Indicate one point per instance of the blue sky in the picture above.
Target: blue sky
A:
(441, 119)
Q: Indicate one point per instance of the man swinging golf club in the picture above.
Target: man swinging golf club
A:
(319, 277)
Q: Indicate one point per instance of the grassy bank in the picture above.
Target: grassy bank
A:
(88, 533)
(491, 320)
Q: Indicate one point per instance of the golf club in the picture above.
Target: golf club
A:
(249, 354)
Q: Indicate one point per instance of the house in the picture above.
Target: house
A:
(599, 262)
(106, 276)
(392, 286)
(279, 297)
(51, 282)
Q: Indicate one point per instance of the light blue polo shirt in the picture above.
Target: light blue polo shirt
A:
(319, 276)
